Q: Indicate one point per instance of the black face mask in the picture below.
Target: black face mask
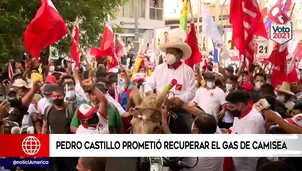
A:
(235, 113)
(58, 102)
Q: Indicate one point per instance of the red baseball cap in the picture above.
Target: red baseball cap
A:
(247, 86)
(50, 79)
(85, 111)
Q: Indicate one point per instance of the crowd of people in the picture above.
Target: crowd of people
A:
(54, 98)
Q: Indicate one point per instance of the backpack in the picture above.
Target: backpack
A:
(69, 111)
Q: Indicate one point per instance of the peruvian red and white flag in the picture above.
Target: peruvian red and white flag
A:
(45, 29)
(107, 44)
(247, 22)
(75, 43)
(10, 71)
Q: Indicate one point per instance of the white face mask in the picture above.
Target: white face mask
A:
(52, 68)
(210, 84)
(281, 98)
(17, 71)
(229, 87)
(170, 59)
(258, 85)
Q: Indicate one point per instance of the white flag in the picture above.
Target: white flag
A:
(209, 27)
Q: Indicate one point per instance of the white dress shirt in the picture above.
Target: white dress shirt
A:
(162, 76)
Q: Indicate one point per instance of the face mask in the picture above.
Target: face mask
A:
(210, 84)
(258, 85)
(49, 100)
(229, 87)
(70, 94)
(170, 59)
(235, 113)
(17, 71)
(58, 102)
(299, 95)
(281, 98)
(52, 68)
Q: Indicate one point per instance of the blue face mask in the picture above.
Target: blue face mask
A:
(70, 94)
(49, 100)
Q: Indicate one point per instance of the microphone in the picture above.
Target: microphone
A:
(30, 130)
(183, 165)
(15, 130)
(171, 85)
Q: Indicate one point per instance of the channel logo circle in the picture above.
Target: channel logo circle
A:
(31, 145)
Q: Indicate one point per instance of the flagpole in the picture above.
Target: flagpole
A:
(198, 21)
(76, 43)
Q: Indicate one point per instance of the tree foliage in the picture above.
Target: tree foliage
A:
(15, 15)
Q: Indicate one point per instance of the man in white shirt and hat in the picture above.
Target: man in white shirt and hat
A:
(174, 68)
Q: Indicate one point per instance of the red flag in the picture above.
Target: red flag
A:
(45, 29)
(75, 50)
(107, 43)
(292, 75)
(10, 71)
(119, 47)
(298, 52)
(278, 59)
(264, 12)
(247, 21)
(192, 42)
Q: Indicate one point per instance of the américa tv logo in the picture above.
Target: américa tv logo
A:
(31, 145)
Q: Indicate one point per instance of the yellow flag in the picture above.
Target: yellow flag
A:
(138, 62)
(183, 20)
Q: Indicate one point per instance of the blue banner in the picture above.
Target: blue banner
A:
(25, 162)
(215, 56)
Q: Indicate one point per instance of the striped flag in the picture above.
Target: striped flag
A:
(10, 71)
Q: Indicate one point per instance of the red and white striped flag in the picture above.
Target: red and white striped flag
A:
(10, 71)
(75, 50)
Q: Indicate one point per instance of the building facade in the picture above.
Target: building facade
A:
(150, 16)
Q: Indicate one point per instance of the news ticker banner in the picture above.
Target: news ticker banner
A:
(151, 145)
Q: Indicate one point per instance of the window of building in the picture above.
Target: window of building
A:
(131, 8)
(142, 8)
(126, 10)
(156, 9)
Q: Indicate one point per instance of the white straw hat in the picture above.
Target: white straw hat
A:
(177, 42)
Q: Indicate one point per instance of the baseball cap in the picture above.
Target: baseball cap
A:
(248, 86)
(296, 120)
(138, 77)
(85, 111)
(50, 79)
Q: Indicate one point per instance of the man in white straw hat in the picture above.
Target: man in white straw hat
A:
(284, 95)
(174, 68)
